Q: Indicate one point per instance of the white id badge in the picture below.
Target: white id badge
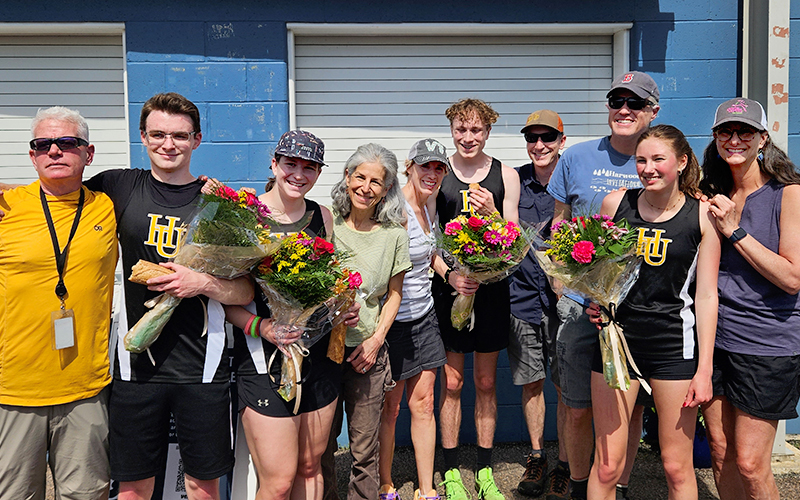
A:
(63, 328)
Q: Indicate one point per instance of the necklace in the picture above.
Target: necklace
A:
(663, 209)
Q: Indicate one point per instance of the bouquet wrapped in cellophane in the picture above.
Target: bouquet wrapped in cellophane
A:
(486, 249)
(227, 237)
(596, 258)
(307, 290)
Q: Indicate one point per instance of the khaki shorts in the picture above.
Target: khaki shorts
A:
(78, 451)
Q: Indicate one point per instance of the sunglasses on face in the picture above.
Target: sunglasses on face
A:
(63, 143)
(551, 136)
(744, 133)
(634, 103)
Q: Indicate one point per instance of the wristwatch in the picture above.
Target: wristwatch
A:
(737, 235)
(447, 275)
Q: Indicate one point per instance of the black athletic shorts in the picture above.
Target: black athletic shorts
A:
(766, 387)
(139, 428)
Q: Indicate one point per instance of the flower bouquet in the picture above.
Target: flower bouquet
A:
(597, 259)
(307, 289)
(227, 237)
(486, 249)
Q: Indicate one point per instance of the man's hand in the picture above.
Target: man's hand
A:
(183, 283)
(482, 201)
(350, 317)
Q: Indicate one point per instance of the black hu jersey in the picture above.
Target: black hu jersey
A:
(453, 199)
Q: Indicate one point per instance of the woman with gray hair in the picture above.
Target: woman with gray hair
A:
(368, 218)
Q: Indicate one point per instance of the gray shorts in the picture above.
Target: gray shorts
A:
(576, 342)
(529, 346)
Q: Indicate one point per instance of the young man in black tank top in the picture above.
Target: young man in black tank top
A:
(473, 172)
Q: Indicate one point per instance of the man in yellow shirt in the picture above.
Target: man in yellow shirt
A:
(58, 251)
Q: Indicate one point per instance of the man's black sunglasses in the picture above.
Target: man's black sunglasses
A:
(634, 103)
(551, 136)
(63, 143)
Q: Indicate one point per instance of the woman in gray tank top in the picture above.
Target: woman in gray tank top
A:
(754, 191)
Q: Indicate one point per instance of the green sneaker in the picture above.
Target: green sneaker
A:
(453, 486)
(484, 484)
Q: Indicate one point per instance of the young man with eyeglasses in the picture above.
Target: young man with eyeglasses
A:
(583, 176)
(58, 251)
(186, 372)
(532, 342)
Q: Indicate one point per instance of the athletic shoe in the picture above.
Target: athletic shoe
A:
(484, 485)
(535, 475)
(419, 496)
(622, 492)
(559, 483)
(453, 486)
(387, 492)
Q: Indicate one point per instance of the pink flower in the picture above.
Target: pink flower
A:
(492, 237)
(583, 251)
(452, 228)
(475, 223)
(354, 280)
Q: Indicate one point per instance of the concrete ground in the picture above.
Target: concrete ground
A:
(647, 480)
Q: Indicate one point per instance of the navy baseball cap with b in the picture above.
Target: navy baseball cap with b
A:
(637, 82)
(303, 145)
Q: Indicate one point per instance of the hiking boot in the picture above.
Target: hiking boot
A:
(534, 477)
(484, 485)
(432, 495)
(453, 486)
(559, 483)
(387, 492)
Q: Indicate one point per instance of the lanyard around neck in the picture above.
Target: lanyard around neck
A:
(61, 256)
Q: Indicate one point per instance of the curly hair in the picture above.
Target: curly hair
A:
(390, 209)
(173, 104)
(470, 107)
(717, 176)
(689, 179)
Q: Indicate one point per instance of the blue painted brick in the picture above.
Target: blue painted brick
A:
(686, 10)
(251, 122)
(794, 41)
(719, 40)
(261, 161)
(144, 80)
(794, 151)
(165, 41)
(794, 113)
(267, 81)
(793, 426)
(226, 162)
(693, 116)
(245, 40)
(135, 109)
(794, 75)
(139, 157)
(210, 81)
(690, 79)
(508, 428)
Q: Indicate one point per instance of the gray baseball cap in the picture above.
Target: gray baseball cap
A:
(637, 82)
(741, 110)
(427, 150)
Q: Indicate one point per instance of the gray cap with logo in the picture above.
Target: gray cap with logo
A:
(741, 110)
(637, 82)
(427, 150)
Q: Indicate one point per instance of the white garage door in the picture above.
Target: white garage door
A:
(80, 72)
(393, 90)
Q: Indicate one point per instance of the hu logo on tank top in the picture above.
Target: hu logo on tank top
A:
(164, 237)
(653, 248)
(465, 205)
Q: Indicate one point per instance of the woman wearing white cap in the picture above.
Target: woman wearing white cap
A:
(416, 349)
(755, 199)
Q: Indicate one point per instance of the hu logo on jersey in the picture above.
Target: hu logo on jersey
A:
(465, 205)
(164, 237)
(653, 248)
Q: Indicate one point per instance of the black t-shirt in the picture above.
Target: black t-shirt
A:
(149, 218)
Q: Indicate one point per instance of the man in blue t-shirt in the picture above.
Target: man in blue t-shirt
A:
(585, 173)
(532, 339)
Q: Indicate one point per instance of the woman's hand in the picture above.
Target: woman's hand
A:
(280, 335)
(482, 201)
(700, 391)
(363, 357)
(212, 184)
(462, 284)
(593, 311)
(725, 214)
(350, 317)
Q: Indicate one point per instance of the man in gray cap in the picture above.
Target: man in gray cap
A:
(585, 173)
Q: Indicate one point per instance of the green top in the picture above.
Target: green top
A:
(378, 255)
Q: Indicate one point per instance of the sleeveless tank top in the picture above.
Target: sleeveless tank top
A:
(755, 316)
(453, 200)
(658, 313)
(252, 354)
(417, 298)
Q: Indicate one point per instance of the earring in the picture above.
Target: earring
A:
(760, 155)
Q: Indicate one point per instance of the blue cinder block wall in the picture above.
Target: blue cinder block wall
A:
(230, 58)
